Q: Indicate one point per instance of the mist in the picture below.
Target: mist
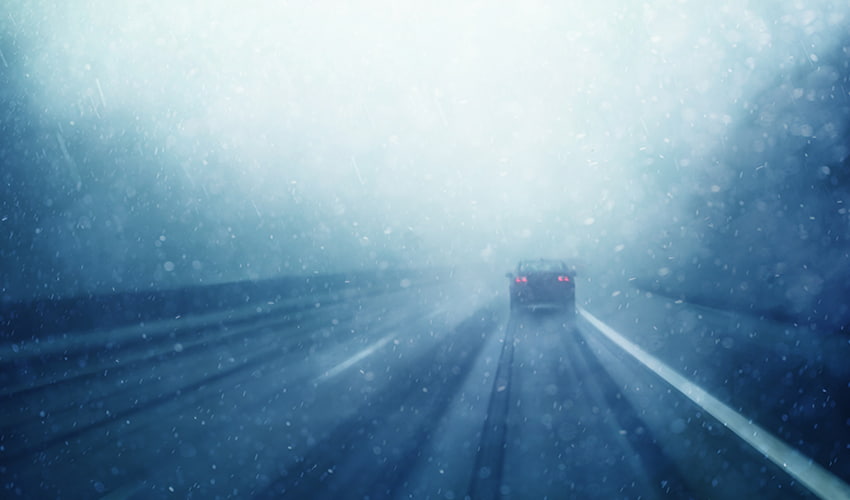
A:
(267, 249)
(159, 145)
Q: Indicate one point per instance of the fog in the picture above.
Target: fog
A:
(158, 144)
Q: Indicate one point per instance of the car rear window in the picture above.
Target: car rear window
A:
(542, 266)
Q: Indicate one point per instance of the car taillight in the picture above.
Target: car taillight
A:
(563, 278)
(521, 279)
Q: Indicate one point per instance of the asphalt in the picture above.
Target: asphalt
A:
(421, 387)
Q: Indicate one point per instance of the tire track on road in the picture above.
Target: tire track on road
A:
(487, 474)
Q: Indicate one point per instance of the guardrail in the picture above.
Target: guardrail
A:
(45, 316)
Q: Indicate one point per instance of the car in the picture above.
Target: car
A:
(542, 284)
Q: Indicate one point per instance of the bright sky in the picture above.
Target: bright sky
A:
(512, 126)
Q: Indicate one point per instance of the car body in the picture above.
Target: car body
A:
(542, 284)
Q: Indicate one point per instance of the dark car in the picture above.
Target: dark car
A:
(543, 284)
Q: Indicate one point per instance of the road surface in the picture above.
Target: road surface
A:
(427, 388)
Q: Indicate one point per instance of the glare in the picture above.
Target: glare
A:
(453, 119)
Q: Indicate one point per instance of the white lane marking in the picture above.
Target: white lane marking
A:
(817, 479)
(336, 370)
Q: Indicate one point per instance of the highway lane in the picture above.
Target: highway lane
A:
(570, 431)
(426, 390)
(223, 403)
(788, 379)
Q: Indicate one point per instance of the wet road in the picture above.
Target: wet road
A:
(423, 389)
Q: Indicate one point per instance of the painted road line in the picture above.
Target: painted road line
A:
(336, 370)
(814, 477)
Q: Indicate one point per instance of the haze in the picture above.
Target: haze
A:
(205, 141)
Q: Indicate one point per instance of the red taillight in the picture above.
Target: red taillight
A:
(563, 278)
(521, 279)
